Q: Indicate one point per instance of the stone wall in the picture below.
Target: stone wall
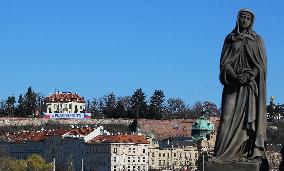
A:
(167, 128)
(41, 121)
(161, 128)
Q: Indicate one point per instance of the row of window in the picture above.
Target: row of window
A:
(98, 150)
(163, 162)
(186, 155)
(130, 159)
(134, 159)
(133, 150)
(129, 168)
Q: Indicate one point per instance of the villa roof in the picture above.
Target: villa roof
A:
(64, 97)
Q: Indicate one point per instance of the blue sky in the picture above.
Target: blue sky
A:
(96, 47)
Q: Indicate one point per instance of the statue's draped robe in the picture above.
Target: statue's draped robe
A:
(242, 130)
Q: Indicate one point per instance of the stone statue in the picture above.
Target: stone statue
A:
(242, 132)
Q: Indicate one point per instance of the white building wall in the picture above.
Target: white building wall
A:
(129, 157)
(172, 157)
(117, 157)
(68, 107)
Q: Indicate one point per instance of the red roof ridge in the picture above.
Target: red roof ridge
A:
(64, 97)
(137, 139)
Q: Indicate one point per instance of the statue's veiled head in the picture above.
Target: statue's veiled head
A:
(245, 21)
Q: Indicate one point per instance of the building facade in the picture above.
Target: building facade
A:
(59, 144)
(86, 148)
(65, 102)
(117, 153)
(173, 153)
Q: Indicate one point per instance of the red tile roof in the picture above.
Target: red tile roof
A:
(81, 131)
(64, 97)
(26, 136)
(136, 139)
(23, 137)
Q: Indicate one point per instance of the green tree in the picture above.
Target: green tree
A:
(109, 102)
(3, 108)
(139, 108)
(206, 108)
(21, 108)
(176, 108)
(88, 106)
(40, 107)
(31, 101)
(96, 106)
(133, 127)
(3, 157)
(210, 109)
(197, 109)
(37, 163)
(126, 101)
(119, 111)
(70, 164)
(8, 164)
(10, 103)
(156, 107)
(17, 165)
(280, 109)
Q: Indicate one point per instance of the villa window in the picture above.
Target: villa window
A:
(115, 150)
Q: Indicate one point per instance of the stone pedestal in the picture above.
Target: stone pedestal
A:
(234, 166)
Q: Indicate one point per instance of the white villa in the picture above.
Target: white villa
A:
(65, 102)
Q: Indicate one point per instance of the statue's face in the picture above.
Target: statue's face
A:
(245, 20)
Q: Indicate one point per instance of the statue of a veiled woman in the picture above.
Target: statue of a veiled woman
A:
(242, 132)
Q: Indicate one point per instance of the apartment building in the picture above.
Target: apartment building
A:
(173, 153)
(117, 153)
(89, 148)
(58, 144)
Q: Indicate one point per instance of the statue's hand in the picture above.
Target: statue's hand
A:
(243, 79)
(246, 75)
